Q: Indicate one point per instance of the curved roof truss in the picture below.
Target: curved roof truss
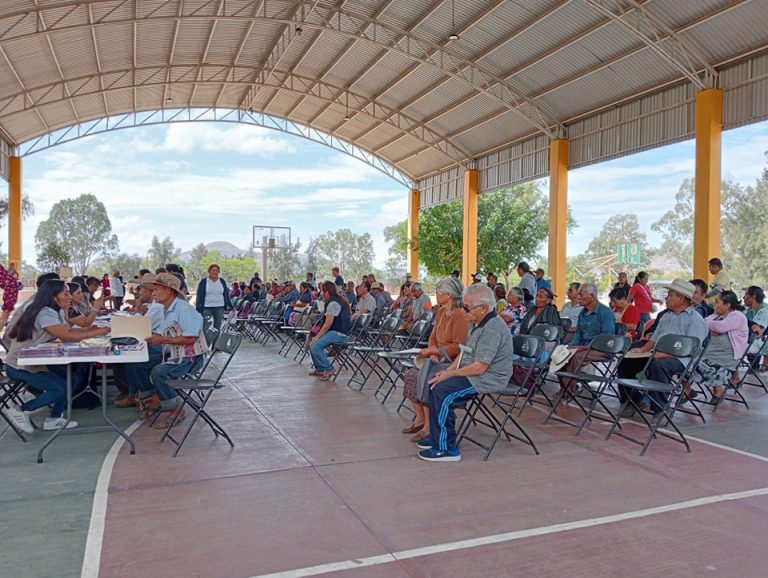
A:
(157, 76)
(186, 115)
(302, 14)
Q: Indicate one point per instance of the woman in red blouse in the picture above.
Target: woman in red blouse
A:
(640, 296)
(625, 312)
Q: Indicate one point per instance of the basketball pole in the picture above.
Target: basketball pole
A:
(264, 260)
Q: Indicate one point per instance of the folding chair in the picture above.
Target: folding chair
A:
(609, 350)
(679, 347)
(10, 394)
(367, 354)
(480, 409)
(750, 363)
(196, 392)
(393, 373)
(552, 336)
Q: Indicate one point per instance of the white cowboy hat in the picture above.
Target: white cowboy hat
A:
(682, 287)
(559, 357)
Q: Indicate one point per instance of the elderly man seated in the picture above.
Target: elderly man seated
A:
(366, 303)
(183, 345)
(681, 318)
(421, 304)
(485, 366)
(595, 319)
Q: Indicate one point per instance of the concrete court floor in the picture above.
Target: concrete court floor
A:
(321, 479)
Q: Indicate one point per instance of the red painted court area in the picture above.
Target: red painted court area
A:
(322, 482)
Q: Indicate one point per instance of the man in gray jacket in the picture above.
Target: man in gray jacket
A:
(485, 366)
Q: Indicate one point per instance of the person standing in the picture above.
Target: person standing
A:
(117, 288)
(720, 281)
(213, 298)
(640, 296)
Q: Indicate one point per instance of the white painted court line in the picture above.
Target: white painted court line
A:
(92, 557)
(510, 536)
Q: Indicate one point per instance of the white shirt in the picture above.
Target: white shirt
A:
(116, 286)
(214, 293)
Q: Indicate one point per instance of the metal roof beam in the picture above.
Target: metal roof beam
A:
(169, 116)
(653, 32)
(212, 74)
(239, 51)
(347, 23)
(24, 92)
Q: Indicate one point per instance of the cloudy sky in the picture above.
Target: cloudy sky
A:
(206, 182)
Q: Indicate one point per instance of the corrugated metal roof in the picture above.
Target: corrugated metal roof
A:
(519, 68)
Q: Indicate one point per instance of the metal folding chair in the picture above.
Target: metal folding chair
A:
(552, 336)
(196, 392)
(596, 377)
(10, 394)
(677, 346)
(480, 409)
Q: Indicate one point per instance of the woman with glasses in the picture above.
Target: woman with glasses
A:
(449, 331)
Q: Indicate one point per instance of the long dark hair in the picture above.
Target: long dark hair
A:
(45, 297)
(330, 286)
(640, 275)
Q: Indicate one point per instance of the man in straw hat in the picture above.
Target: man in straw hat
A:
(183, 345)
(681, 318)
(134, 373)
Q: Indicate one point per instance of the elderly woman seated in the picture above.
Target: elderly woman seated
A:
(728, 340)
(543, 311)
(515, 311)
(449, 331)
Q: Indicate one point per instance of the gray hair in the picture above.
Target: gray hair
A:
(453, 286)
(589, 288)
(417, 287)
(481, 295)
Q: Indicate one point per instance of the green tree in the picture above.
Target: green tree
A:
(676, 227)
(284, 263)
(162, 252)
(353, 254)
(512, 225)
(397, 235)
(195, 267)
(81, 228)
(618, 230)
(52, 257)
(128, 264)
(27, 209)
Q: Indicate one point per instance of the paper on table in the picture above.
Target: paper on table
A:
(137, 326)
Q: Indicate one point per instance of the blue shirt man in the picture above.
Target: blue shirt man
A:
(540, 281)
(599, 321)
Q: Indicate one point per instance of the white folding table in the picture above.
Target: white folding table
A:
(126, 356)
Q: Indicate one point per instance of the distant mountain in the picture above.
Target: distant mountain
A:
(227, 250)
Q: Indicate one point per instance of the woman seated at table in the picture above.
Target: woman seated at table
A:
(80, 312)
(450, 330)
(728, 340)
(43, 321)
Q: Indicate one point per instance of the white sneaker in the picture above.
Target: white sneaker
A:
(20, 419)
(52, 423)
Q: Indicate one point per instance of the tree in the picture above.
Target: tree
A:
(676, 227)
(127, 264)
(80, 227)
(353, 254)
(27, 209)
(512, 225)
(52, 257)
(618, 230)
(284, 263)
(195, 268)
(162, 252)
(397, 235)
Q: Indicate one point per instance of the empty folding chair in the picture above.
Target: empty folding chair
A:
(480, 409)
(552, 336)
(595, 374)
(682, 347)
(196, 392)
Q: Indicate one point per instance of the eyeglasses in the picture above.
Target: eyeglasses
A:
(468, 309)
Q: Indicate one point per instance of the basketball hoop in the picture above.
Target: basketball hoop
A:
(270, 238)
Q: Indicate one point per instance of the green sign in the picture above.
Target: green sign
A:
(628, 254)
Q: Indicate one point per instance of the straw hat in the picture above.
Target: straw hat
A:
(682, 287)
(559, 357)
(168, 280)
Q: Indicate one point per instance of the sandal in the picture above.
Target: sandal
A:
(412, 429)
(325, 376)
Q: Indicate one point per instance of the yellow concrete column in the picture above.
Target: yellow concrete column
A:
(14, 213)
(706, 220)
(414, 205)
(558, 216)
(469, 259)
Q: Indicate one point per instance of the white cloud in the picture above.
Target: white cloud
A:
(242, 139)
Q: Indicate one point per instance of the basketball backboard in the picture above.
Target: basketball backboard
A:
(271, 237)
